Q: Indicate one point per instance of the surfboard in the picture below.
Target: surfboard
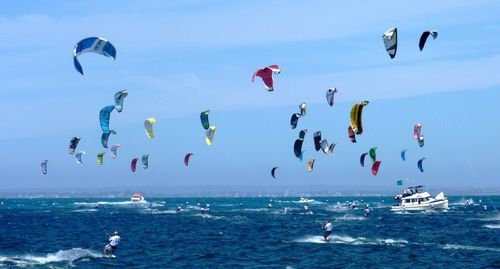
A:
(110, 256)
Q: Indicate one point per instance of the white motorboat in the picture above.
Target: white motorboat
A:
(305, 200)
(415, 199)
(137, 198)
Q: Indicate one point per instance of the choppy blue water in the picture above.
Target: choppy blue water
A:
(57, 233)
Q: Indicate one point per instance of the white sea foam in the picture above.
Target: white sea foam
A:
(350, 217)
(464, 247)
(343, 239)
(85, 210)
(492, 226)
(60, 256)
(208, 216)
(164, 212)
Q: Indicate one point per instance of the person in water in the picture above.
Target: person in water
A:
(367, 211)
(328, 227)
(114, 241)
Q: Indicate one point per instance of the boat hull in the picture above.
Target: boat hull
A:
(434, 205)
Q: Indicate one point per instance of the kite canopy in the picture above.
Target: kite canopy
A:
(105, 137)
(186, 158)
(294, 120)
(400, 182)
(317, 140)
(403, 155)
(209, 135)
(119, 97)
(133, 164)
(104, 116)
(100, 157)
(43, 167)
(266, 74)
(297, 148)
(362, 159)
(97, 45)
(373, 154)
(417, 134)
(356, 115)
(113, 150)
(148, 125)
(375, 167)
(273, 172)
(302, 134)
(145, 161)
(325, 147)
(310, 165)
(73, 144)
(330, 94)
(351, 134)
(204, 119)
(391, 41)
(303, 109)
(419, 165)
(424, 36)
(78, 157)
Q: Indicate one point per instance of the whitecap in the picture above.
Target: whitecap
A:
(60, 256)
(492, 226)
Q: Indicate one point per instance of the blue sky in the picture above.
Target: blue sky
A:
(177, 59)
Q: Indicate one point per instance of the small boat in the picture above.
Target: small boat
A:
(305, 200)
(137, 198)
(415, 199)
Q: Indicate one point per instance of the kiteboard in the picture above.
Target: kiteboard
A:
(111, 256)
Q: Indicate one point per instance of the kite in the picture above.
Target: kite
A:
(351, 134)
(186, 158)
(330, 95)
(373, 154)
(375, 167)
(100, 157)
(73, 144)
(424, 36)
(419, 165)
(104, 116)
(113, 150)
(148, 125)
(297, 148)
(105, 137)
(209, 135)
(391, 41)
(97, 45)
(78, 157)
(43, 167)
(145, 161)
(310, 165)
(273, 171)
(119, 96)
(204, 119)
(266, 74)
(403, 155)
(133, 164)
(356, 113)
(362, 159)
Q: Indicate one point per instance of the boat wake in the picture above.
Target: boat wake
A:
(60, 256)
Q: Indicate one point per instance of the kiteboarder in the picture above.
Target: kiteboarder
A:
(367, 211)
(114, 241)
(328, 227)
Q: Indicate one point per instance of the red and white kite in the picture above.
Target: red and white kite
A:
(266, 74)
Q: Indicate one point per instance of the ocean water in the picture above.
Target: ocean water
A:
(244, 233)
